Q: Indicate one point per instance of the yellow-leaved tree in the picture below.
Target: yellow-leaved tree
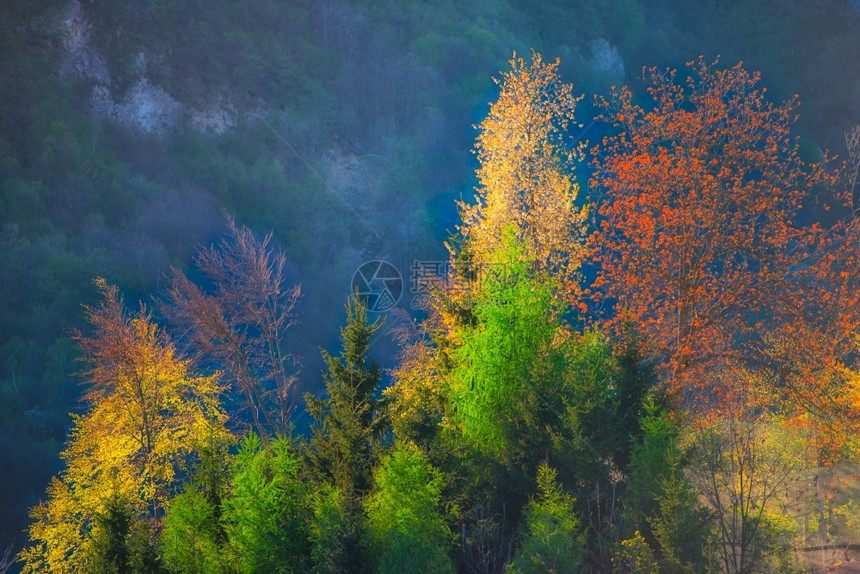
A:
(526, 197)
(147, 417)
(525, 176)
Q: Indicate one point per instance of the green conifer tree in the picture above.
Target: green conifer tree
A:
(109, 551)
(345, 438)
(661, 502)
(347, 424)
(551, 538)
(407, 531)
(265, 515)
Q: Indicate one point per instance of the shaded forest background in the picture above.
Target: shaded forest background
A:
(345, 127)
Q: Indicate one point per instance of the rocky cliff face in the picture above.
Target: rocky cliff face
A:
(80, 59)
(144, 106)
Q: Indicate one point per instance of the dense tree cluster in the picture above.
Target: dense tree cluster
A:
(672, 433)
(342, 125)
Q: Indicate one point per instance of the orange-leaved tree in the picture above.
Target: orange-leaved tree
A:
(701, 205)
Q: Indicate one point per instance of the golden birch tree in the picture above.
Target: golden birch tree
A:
(525, 174)
(147, 417)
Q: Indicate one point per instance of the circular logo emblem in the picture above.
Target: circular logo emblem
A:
(379, 284)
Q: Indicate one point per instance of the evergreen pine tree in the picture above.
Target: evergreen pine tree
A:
(661, 502)
(347, 423)
(635, 378)
(110, 552)
(552, 541)
(408, 533)
(265, 514)
(345, 436)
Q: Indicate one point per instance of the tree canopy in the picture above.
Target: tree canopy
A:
(694, 426)
(703, 239)
(148, 416)
(525, 176)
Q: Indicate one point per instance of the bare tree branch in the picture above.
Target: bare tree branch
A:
(240, 325)
(8, 559)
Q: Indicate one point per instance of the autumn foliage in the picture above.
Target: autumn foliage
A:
(525, 178)
(148, 417)
(240, 326)
(515, 436)
(701, 238)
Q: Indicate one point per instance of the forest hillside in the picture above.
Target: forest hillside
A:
(624, 336)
